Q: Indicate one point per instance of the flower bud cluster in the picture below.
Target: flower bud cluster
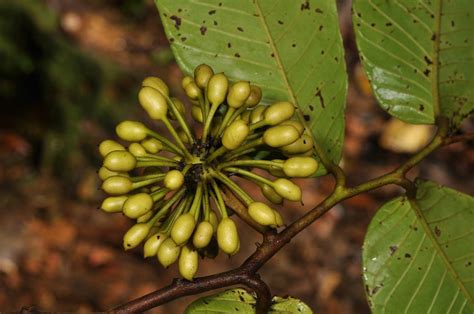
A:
(173, 188)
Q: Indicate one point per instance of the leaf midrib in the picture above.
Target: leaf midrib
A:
(419, 213)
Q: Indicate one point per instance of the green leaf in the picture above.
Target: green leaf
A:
(291, 49)
(418, 254)
(419, 56)
(240, 301)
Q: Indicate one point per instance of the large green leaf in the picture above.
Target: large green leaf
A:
(291, 49)
(418, 254)
(240, 301)
(419, 56)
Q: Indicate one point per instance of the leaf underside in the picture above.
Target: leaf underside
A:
(240, 301)
(419, 56)
(291, 49)
(418, 254)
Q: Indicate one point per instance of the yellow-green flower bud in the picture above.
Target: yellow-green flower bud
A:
(117, 185)
(174, 179)
(296, 124)
(217, 89)
(132, 131)
(188, 263)
(156, 83)
(300, 167)
(152, 145)
(135, 235)
(168, 252)
(137, 150)
(238, 93)
(120, 161)
(227, 236)
(113, 204)
(105, 173)
(151, 246)
(279, 220)
(203, 234)
(153, 102)
(145, 217)
(287, 189)
(186, 80)
(262, 214)
(179, 106)
(108, 146)
(270, 194)
(192, 91)
(183, 228)
(257, 114)
(254, 97)
(280, 135)
(202, 74)
(137, 205)
(246, 116)
(235, 134)
(278, 112)
(275, 170)
(196, 113)
(213, 220)
(300, 146)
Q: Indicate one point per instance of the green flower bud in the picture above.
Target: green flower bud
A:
(153, 102)
(202, 75)
(135, 235)
(174, 179)
(179, 106)
(137, 150)
(105, 173)
(257, 114)
(300, 146)
(156, 83)
(182, 135)
(217, 89)
(270, 194)
(227, 236)
(146, 217)
(188, 263)
(203, 234)
(183, 228)
(196, 113)
(238, 94)
(113, 204)
(280, 135)
(213, 220)
(131, 131)
(246, 116)
(262, 214)
(108, 146)
(152, 145)
(137, 205)
(151, 246)
(192, 90)
(296, 124)
(275, 170)
(287, 189)
(120, 160)
(278, 112)
(300, 167)
(254, 97)
(279, 220)
(235, 134)
(168, 252)
(117, 185)
(186, 80)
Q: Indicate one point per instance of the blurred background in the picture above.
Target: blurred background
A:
(70, 70)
